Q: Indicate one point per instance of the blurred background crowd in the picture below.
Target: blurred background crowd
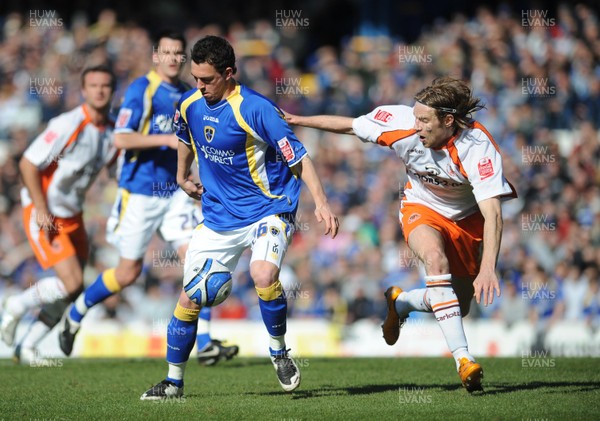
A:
(539, 76)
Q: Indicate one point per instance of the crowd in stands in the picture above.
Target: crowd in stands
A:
(539, 79)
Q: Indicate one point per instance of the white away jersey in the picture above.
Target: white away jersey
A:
(69, 154)
(450, 180)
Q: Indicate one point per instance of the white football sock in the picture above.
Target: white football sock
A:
(44, 291)
(277, 343)
(36, 333)
(461, 353)
(176, 371)
(446, 309)
(203, 326)
(413, 300)
(80, 306)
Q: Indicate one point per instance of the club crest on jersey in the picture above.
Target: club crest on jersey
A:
(209, 133)
(274, 231)
(413, 217)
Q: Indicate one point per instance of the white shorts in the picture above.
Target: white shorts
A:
(135, 218)
(269, 239)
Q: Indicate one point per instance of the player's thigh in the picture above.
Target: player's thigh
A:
(424, 230)
(133, 221)
(183, 215)
(271, 237)
(226, 247)
(428, 244)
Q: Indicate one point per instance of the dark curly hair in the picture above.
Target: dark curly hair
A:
(215, 51)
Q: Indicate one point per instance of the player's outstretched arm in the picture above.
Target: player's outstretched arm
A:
(331, 123)
(135, 140)
(486, 282)
(308, 174)
(185, 157)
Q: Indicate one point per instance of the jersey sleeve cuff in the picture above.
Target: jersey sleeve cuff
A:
(187, 142)
(362, 132)
(123, 130)
(499, 193)
(298, 160)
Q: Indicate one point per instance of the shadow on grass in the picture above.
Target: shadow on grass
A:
(243, 362)
(329, 390)
(553, 387)
(490, 389)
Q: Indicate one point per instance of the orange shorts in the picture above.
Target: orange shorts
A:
(463, 240)
(68, 239)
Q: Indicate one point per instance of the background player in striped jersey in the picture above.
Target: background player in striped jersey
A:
(250, 164)
(450, 214)
(149, 199)
(57, 169)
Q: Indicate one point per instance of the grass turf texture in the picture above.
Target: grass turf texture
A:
(331, 389)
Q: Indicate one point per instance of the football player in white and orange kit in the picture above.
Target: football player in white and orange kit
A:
(57, 170)
(450, 213)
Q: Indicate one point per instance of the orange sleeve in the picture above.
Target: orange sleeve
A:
(391, 137)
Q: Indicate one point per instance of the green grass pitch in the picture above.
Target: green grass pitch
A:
(331, 389)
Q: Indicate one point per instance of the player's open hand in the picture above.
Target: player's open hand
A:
(486, 284)
(324, 213)
(193, 190)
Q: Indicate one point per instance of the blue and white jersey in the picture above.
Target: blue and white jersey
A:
(148, 108)
(245, 151)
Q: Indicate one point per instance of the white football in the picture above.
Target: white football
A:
(207, 282)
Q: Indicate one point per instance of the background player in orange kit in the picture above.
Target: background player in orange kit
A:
(57, 170)
(450, 214)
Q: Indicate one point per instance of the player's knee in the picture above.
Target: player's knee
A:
(185, 302)
(126, 274)
(73, 284)
(264, 274)
(436, 262)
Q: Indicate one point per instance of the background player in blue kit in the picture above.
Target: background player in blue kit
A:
(149, 199)
(250, 165)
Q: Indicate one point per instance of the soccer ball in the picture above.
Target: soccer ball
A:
(207, 282)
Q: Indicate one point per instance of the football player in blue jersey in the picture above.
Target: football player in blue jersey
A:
(250, 166)
(149, 199)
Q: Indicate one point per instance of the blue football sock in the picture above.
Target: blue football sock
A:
(181, 335)
(274, 315)
(103, 287)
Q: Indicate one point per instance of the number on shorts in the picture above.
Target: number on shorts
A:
(261, 230)
(193, 219)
